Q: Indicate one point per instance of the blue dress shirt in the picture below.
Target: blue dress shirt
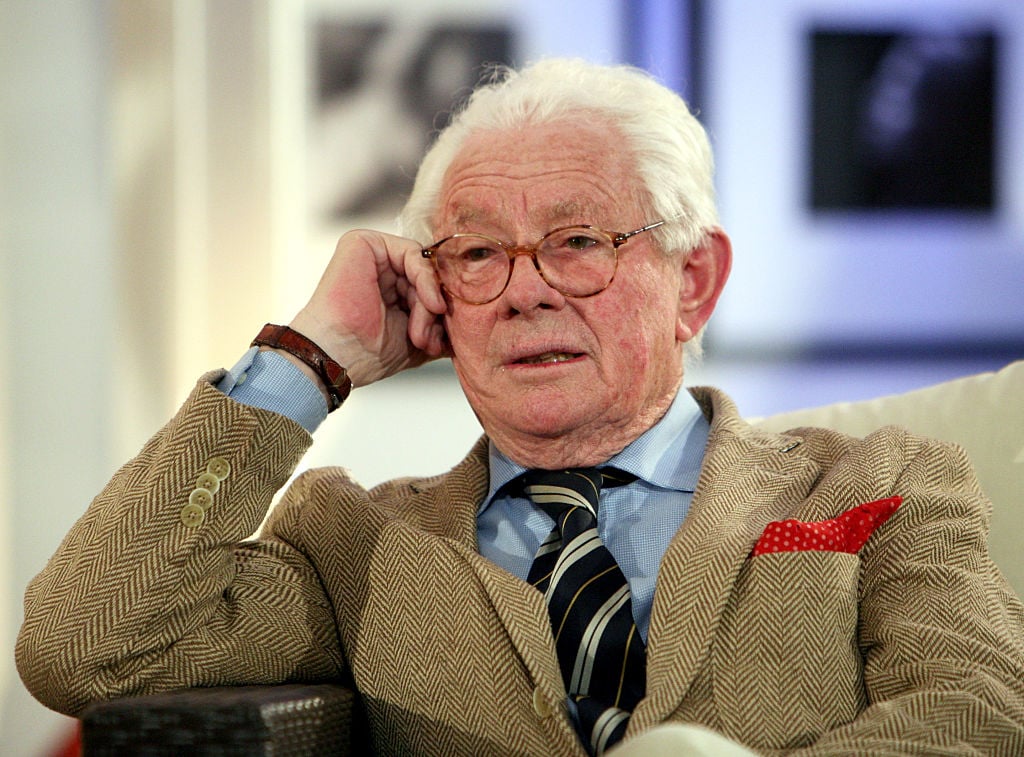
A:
(272, 382)
(635, 521)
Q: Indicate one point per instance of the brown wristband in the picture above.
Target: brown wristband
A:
(334, 377)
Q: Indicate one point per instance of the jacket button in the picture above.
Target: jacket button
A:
(540, 704)
(219, 467)
(201, 498)
(209, 482)
(193, 515)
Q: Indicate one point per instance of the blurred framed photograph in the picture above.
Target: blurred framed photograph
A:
(903, 118)
(380, 88)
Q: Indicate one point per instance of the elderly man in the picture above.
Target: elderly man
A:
(614, 555)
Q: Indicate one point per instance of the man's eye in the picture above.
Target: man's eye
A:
(477, 254)
(579, 242)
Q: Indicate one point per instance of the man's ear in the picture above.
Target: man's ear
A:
(705, 271)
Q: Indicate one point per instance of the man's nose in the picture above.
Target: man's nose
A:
(524, 265)
(526, 287)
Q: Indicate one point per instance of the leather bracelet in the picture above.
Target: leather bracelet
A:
(334, 377)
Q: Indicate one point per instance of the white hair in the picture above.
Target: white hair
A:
(668, 145)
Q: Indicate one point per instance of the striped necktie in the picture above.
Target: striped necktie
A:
(600, 651)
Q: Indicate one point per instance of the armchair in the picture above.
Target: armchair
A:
(983, 413)
(229, 721)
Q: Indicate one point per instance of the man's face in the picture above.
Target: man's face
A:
(559, 381)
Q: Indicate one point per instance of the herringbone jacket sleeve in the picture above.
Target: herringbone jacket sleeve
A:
(156, 588)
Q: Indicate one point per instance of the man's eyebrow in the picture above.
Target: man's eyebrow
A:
(566, 209)
(467, 216)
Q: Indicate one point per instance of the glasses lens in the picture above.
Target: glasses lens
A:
(473, 268)
(577, 261)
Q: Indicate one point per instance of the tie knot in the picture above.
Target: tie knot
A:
(561, 490)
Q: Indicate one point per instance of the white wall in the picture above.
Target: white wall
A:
(56, 311)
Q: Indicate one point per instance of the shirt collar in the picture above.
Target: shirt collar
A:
(668, 455)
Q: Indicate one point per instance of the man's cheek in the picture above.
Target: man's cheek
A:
(465, 337)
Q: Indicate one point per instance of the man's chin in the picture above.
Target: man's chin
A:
(545, 414)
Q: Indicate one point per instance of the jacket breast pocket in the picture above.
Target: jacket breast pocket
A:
(788, 666)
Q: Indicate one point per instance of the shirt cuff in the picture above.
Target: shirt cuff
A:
(269, 381)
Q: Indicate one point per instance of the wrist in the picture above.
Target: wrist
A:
(311, 358)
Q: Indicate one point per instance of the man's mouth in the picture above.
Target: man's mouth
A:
(548, 357)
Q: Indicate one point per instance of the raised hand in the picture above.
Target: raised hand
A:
(378, 308)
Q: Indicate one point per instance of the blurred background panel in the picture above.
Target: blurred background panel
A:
(175, 173)
(871, 174)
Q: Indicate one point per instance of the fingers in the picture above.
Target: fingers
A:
(417, 273)
(419, 291)
(426, 329)
(378, 308)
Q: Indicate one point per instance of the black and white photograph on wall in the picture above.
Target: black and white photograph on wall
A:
(903, 119)
(379, 91)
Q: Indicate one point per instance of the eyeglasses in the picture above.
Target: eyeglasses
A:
(578, 261)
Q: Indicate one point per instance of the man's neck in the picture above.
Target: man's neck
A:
(583, 447)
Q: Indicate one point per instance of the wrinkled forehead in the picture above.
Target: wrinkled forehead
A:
(538, 177)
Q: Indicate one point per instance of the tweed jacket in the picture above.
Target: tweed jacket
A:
(912, 645)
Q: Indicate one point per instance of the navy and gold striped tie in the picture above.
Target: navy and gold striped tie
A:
(600, 651)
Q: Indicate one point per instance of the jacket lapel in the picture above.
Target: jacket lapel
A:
(524, 615)
(748, 479)
(519, 607)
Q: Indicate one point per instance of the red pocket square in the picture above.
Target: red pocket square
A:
(844, 533)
